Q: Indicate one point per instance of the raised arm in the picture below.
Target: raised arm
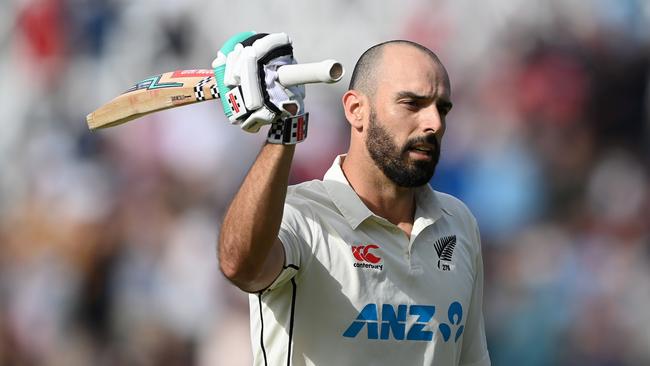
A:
(246, 71)
(250, 254)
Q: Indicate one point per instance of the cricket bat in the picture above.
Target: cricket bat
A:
(183, 87)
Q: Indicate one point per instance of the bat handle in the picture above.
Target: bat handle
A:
(328, 71)
(219, 66)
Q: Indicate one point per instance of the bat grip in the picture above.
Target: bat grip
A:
(220, 68)
(328, 71)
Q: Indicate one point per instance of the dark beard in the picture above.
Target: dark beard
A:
(392, 161)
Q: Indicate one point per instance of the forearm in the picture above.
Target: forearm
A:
(248, 252)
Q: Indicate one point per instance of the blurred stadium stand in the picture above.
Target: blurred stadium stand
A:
(107, 239)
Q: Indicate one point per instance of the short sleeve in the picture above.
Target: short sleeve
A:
(295, 234)
(474, 350)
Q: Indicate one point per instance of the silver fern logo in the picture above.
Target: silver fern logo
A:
(445, 249)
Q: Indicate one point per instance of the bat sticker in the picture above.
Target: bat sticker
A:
(198, 88)
(152, 83)
(179, 99)
(191, 73)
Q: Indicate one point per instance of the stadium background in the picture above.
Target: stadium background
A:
(107, 238)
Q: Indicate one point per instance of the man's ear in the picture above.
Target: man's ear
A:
(354, 106)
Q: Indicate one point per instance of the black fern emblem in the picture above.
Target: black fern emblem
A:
(445, 249)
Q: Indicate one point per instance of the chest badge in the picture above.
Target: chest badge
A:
(366, 257)
(445, 250)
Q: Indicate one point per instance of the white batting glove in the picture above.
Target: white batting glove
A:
(255, 96)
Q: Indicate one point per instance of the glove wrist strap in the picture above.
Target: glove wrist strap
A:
(289, 131)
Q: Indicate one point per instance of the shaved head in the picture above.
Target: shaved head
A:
(364, 75)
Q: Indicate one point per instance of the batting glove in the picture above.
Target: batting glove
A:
(246, 71)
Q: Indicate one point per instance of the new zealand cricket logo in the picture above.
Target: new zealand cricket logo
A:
(445, 249)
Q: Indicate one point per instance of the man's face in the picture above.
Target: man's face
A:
(395, 161)
(407, 116)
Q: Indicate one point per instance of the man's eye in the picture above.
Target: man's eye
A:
(444, 109)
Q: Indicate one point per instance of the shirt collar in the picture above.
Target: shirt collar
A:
(343, 196)
(355, 211)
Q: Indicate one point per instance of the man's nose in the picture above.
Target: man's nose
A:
(432, 120)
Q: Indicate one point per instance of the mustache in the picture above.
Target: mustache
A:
(426, 139)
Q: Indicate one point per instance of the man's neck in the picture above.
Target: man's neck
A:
(383, 197)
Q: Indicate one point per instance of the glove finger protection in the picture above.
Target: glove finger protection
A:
(252, 95)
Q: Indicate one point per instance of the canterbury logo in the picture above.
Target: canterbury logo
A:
(362, 253)
(445, 249)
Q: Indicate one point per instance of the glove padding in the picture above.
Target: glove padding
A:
(256, 97)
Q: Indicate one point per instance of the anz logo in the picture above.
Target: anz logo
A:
(393, 322)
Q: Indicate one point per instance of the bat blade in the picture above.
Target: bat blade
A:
(167, 90)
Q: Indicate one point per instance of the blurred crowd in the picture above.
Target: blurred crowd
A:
(107, 238)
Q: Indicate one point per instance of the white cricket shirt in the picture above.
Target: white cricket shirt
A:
(357, 291)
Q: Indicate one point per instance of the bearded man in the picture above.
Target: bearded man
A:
(369, 266)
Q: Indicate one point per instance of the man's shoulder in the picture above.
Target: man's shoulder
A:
(309, 199)
(305, 192)
(307, 187)
(454, 206)
(460, 216)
